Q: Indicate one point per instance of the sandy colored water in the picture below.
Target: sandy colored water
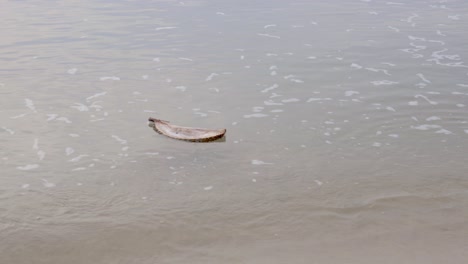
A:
(347, 132)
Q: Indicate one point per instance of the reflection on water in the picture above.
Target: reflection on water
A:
(347, 125)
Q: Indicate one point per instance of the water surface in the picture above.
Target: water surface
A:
(347, 132)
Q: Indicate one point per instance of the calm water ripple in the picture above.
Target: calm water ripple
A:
(347, 132)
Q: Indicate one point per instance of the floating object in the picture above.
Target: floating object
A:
(191, 134)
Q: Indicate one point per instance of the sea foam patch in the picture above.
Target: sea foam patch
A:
(259, 162)
(383, 82)
(109, 78)
(28, 167)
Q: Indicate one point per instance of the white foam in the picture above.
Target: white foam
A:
(423, 78)
(25, 186)
(28, 167)
(8, 130)
(356, 66)
(290, 100)
(78, 158)
(271, 102)
(210, 77)
(389, 108)
(185, 59)
(425, 98)
(270, 25)
(72, 71)
(460, 105)
(319, 183)
(378, 70)
(384, 82)
(79, 169)
(277, 110)
(64, 119)
(207, 188)
(377, 144)
(48, 184)
(18, 116)
(35, 144)
(421, 84)
(41, 154)
(164, 28)
(274, 86)
(296, 80)
(425, 127)
(394, 135)
(413, 103)
(259, 162)
(80, 107)
(394, 28)
(51, 117)
(410, 18)
(439, 59)
(111, 78)
(74, 135)
(318, 99)
(69, 151)
(95, 95)
(432, 118)
(351, 93)
(269, 36)
(30, 104)
(257, 109)
(256, 115)
(181, 88)
(121, 141)
(443, 131)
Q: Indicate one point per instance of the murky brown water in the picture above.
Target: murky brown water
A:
(347, 132)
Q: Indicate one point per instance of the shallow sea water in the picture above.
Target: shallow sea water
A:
(347, 132)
